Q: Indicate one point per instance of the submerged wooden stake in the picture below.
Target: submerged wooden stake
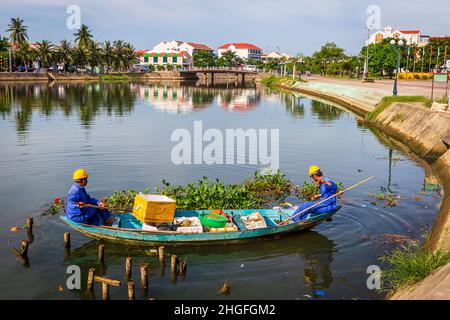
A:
(161, 253)
(22, 260)
(183, 267)
(101, 253)
(112, 282)
(91, 276)
(105, 291)
(30, 224)
(128, 265)
(67, 240)
(130, 290)
(173, 263)
(144, 275)
(106, 282)
(24, 248)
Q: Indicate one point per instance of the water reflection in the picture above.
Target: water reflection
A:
(85, 100)
(326, 112)
(176, 97)
(311, 251)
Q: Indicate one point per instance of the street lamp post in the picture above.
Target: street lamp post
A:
(398, 44)
(10, 59)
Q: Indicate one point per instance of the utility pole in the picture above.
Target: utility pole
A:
(10, 60)
(366, 63)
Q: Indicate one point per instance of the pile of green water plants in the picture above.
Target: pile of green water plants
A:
(121, 200)
(409, 264)
(258, 190)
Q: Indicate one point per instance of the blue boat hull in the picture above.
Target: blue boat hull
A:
(128, 231)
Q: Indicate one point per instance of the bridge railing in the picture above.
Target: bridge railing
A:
(214, 68)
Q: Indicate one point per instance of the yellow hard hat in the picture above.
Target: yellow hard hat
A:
(80, 174)
(313, 169)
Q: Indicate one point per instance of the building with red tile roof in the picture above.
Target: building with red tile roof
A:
(242, 49)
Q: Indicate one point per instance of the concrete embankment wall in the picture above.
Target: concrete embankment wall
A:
(426, 133)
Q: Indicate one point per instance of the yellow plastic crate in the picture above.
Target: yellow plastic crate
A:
(153, 208)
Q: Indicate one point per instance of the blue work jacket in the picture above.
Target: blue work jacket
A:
(79, 194)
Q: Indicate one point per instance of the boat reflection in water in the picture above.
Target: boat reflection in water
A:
(182, 97)
(309, 255)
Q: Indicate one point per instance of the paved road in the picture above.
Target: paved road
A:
(405, 87)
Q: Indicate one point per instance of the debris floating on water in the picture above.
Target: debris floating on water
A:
(225, 288)
(15, 229)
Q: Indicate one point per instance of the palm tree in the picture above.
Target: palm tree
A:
(18, 32)
(119, 50)
(24, 54)
(95, 54)
(79, 56)
(45, 51)
(130, 56)
(108, 54)
(83, 36)
(64, 53)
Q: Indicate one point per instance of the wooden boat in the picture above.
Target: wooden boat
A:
(128, 230)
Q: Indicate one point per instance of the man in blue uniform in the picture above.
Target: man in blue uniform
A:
(78, 201)
(327, 189)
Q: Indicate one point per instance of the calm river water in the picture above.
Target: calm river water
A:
(121, 132)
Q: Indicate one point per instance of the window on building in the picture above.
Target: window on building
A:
(174, 59)
(155, 59)
(164, 59)
(145, 59)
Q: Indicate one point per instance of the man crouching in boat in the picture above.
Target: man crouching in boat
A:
(327, 189)
(78, 205)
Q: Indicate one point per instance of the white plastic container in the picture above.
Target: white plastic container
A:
(195, 227)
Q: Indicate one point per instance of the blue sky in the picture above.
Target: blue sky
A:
(291, 25)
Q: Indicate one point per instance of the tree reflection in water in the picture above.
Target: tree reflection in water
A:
(86, 100)
(326, 112)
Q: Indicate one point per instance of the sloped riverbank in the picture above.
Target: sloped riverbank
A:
(426, 133)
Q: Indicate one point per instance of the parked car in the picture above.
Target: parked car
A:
(250, 68)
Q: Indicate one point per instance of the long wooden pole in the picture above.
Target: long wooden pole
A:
(322, 201)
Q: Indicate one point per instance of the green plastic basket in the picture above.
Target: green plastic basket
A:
(212, 220)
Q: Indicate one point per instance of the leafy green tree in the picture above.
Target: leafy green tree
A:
(204, 58)
(83, 36)
(108, 54)
(64, 53)
(229, 59)
(94, 54)
(4, 45)
(18, 32)
(24, 54)
(45, 51)
(272, 64)
(382, 58)
(79, 56)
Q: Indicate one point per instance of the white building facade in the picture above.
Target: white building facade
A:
(176, 53)
(413, 36)
(242, 50)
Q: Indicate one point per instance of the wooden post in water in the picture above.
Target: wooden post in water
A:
(101, 253)
(144, 275)
(30, 224)
(105, 291)
(183, 267)
(161, 254)
(67, 240)
(91, 276)
(128, 266)
(106, 282)
(173, 263)
(130, 290)
(24, 248)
